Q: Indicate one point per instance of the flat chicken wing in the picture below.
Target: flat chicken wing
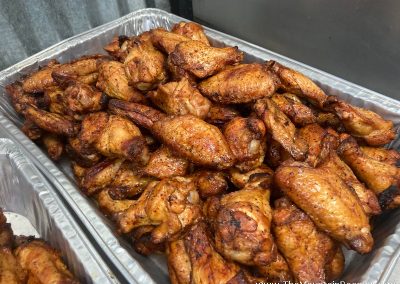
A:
(281, 128)
(329, 202)
(296, 83)
(110, 206)
(191, 30)
(39, 81)
(20, 100)
(171, 204)
(30, 129)
(119, 47)
(261, 174)
(362, 123)
(179, 98)
(10, 271)
(277, 271)
(240, 84)
(165, 40)
(389, 156)
(201, 60)
(306, 249)
(81, 154)
(54, 146)
(210, 183)
(220, 114)
(194, 260)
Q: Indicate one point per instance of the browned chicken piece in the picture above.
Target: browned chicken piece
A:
(281, 128)
(54, 146)
(275, 154)
(389, 156)
(110, 206)
(163, 163)
(179, 98)
(142, 243)
(39, 81)
(219, 114)
(194, 260)
(367, 197)
(320, 142)
(243, 83)
(145, 66)
(290, 104)
(10, 271)
(20, 100)
(188, 136)
(52, 122)
(328, 119)
(362, 123)
(80, 153)
(31, 130)
(119, 47)
(114, 136)
(82, 98)
(246, 138)
(54, 98)
(191, 30)
(99, 176)
(296, 83)
(83, 69)
(210, 183)
(329, 202)
(113, 81)
(241, 179)
(242, 224)
(171, 204)
(277, 271)
(6, 233)
(165, 40)
(377, 175)
(306, 249)
(201, 60)
(43, 263)
(334, 268)
(79, 172)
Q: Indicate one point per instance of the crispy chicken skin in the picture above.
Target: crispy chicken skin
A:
(306, 249)
(119, 47)
(281, 128)
(84, 156)
(55, 98)
(201, 60)
(114, 136)
(51, 122)
(54, 146)
(296, 83)
(165, 40)
(113, 81)
(362, 123)
(110, 206)
(290, 104)
(334, 268)
(246, 138)
(31, 130)
(210, 183)
(39, 81)
(220, 114)
(6, 233)
(389, 156)
(367, 197)
(329, 202)
(277, 271)
(241, 179)
(163, 163)
(240, 84)
(10, 271)
(145, 65)
(377, 175)
(191, 30)
(179, 98)
(142, 243)
(20, 100)
(194, 260)
(171, 204)
(242, 224)
(43, 263)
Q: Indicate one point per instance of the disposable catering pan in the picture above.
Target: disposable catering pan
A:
(34, 210)
(378, 266)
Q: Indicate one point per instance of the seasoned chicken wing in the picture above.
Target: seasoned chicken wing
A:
(306, 249)
(113, 81)
(10, 270)
(334, 268)
(119, 47)
(362, 123)
(81, 154)
(210, 183)
(54, 146)
(329, 202)
(219, 114)
(171, 204)
(261, 174)
(179, 98)
(54, 98)
(6, 233)
(39, 81)
(296, 83)
(142, 242)
(43, 263)
(191, 30)
(281, 128)
(389, 156)
(194, 260)
(201, 60)
(51, 122)
(290, 104)
(110, 206)
(242, 225)
(20, 100)
(247, 140)
(145, 65)
(277, 271)
(163, 163)
(186, 135)
(165, 40)
(31, 130)
(114, 136)
(240, 84)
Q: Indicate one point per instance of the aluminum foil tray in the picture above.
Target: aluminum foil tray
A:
(32, 209)
(381, 265)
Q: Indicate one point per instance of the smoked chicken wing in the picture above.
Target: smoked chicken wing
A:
(54, 146)
(165, 40)
(39, 81)
(21, 100)
(191, 30)
(261, 174)
(110, 206)
(119, 47)
(220, 114)
(210, 183)
(10, 270)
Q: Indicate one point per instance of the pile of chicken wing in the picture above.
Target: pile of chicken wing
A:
(239, 172)
(29, 260)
